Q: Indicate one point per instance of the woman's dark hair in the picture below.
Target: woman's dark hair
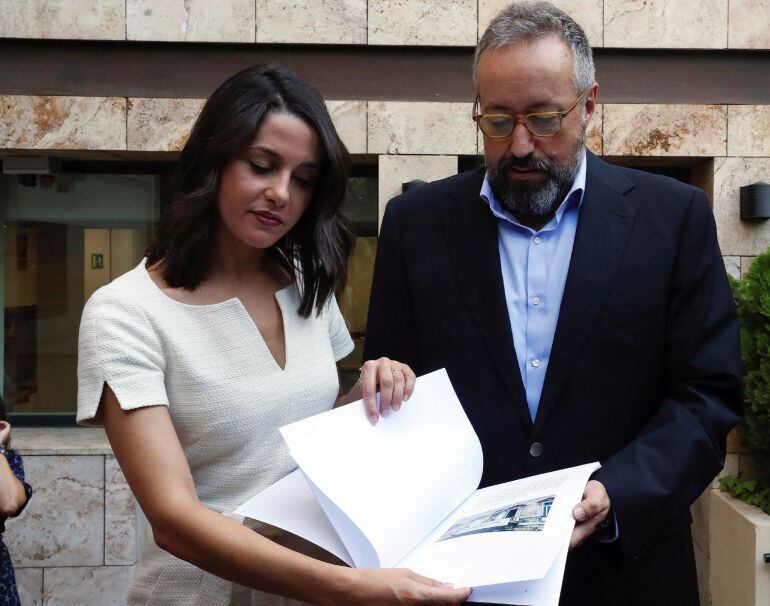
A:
(315, 252)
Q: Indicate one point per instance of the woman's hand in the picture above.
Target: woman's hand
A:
(394, 381)
(5, 433)
(396, 587)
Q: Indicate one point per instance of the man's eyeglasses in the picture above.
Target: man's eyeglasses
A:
(543, 124)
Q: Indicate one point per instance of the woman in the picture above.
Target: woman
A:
(14, 494)
(228, 331)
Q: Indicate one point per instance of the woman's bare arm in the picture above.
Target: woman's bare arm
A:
(151, 457)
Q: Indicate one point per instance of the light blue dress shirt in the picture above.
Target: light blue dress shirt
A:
(534, 267)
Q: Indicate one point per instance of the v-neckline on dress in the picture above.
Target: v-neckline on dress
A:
(277, 295)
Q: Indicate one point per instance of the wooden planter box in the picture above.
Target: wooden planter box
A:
(740, 536)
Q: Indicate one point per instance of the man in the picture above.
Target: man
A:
(582, 312)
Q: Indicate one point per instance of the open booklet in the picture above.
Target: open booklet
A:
(404, 493)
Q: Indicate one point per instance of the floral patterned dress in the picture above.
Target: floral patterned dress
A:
(8, 594)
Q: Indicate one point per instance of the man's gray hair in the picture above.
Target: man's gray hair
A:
(528, 21)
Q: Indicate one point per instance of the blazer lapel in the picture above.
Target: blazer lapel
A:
(605, 222)
(471, 232)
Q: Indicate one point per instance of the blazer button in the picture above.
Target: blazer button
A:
(535, 450)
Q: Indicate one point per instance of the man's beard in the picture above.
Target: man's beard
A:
(537, 200)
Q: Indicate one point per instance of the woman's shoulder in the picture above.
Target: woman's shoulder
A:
(125, 311)
(129, 293)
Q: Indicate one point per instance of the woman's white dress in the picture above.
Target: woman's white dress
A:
(226, 396)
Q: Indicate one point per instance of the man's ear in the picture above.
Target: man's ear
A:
(590, 101)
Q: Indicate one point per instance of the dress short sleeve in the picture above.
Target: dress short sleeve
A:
(339, 336)
(118, 346)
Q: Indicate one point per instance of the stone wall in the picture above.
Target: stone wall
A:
(76, 542)
(91, 542)
(688, 24)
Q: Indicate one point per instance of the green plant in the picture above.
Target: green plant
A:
(748, 490)
(752, 297)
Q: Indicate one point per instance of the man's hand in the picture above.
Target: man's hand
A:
(590, 512)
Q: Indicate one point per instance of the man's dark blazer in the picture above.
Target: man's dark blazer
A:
(644, 373)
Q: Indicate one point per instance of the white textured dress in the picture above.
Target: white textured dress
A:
(226, 396)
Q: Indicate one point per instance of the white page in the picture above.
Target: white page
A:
(359, 547)
(500, 569)
(540, 592)
(506, 533)
(415, 466)
(291, 505)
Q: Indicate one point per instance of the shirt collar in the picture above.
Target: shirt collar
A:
(574, 196)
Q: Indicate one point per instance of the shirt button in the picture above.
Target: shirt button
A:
(537, 240)
(535, 450)
(536, 363)
(535, 300)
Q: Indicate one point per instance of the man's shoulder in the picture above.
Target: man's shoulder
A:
(429, 198)
(639, 183)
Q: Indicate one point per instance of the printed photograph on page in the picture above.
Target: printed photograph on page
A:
(525, 516)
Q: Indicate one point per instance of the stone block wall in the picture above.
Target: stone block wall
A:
(689, 24)
(93, 542)
(76, 542)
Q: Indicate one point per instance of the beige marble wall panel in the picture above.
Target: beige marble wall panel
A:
(191, 20)
(105, 585)
(733, 266)
(588, 13)
(349, 119)
(702, 176)
(32, 122)
(423, 22)
(740, 534)
(68, 19)
(312, 21)
(164, 124)
(60, 440)
(665, 24)
(738, 237)
(405, 127)
(748, 129)
(29, 583)
(119, 517)
(749, 24)
(160, 124)
(393, 171)
(63, 524)
(746, 263)
(595, 132)
(665, 130)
